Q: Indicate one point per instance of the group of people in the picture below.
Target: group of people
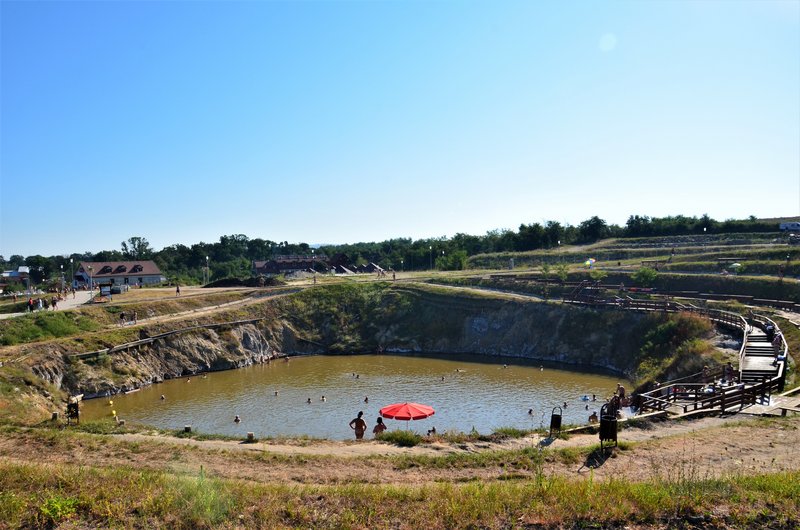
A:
(43, 303)
(360, 426)
(123, 318)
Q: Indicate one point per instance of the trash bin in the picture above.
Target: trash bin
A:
(555, 421)
(608, 425)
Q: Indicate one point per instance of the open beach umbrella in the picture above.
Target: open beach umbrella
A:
(407, 411)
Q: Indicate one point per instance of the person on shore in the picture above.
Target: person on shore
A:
(593, 417)
(122, 319)
(135, 317)
(432, 431)
(177, 290)
(359, 425)
(379, 427)
(729, 373)
(620, 391)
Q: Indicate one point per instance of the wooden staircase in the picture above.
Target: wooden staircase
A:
(758, 360)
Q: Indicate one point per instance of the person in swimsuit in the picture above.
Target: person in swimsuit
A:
(359, 425)
(379, 427)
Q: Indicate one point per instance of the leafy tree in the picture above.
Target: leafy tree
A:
(531, 237)
(592, 230)
(455, 261)
(645, 276)
(562, 271)
(598, 275)
(136, 248)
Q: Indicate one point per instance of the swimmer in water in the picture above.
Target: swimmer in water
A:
(366, 399)
(237, 419)
(276, 392)
(322, 399)
(530, 412)
(163, 397)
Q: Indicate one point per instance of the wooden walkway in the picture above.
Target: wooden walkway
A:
(758, 361)
(760, 373)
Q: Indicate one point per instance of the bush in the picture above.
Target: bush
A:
(401, 438)
(645, 276)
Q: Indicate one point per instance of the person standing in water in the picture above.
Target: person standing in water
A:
(379, 427)
(359, 425)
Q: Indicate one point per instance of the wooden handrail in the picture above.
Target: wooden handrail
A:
(738, 394)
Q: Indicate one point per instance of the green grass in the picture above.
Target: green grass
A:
(401, 438)
(41, 496)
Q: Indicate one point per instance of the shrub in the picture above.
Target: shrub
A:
(645, 276)
(401, 438)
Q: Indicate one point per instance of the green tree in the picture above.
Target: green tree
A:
(592, 230)
(598, 275)
(645, 276)
(562, 271)
(136, 248)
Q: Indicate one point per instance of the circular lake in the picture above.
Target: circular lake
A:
(466, 391)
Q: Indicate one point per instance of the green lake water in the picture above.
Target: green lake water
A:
(466, 391)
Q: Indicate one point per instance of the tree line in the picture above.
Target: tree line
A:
(232, 255)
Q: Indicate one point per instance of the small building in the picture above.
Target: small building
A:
(140, 272)
(20, 276)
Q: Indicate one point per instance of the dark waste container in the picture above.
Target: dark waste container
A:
(608, 425)
(555, 421)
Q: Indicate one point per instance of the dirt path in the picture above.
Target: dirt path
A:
(669, 450)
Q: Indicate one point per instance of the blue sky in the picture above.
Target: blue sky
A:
(335, 122)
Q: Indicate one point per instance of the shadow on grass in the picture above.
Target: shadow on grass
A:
(597, 457)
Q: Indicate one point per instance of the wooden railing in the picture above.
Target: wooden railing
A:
(688, 394)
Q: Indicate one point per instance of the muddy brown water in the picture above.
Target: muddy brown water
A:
(467, 392)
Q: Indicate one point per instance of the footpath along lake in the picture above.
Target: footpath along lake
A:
(474, 393)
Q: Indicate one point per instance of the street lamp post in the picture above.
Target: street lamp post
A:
(62, 276)
(71, 273)
(430, 248)
(91, 285)
(208, 276)
(402, 267)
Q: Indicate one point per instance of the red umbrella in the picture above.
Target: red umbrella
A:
(407, 411)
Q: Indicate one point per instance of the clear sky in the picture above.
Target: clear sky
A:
(336, 122)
